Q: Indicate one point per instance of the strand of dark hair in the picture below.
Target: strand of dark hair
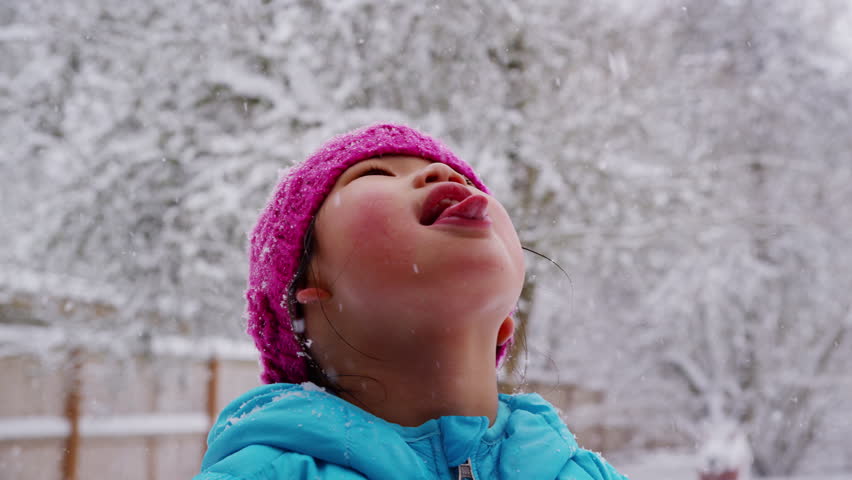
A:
(522, 337)
(316, 374)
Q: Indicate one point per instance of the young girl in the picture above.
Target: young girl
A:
(382, 281)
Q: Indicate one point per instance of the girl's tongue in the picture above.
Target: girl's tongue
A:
(474, 207)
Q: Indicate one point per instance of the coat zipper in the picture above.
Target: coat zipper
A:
(466, 471)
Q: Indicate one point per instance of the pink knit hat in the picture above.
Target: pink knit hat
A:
(276, 242)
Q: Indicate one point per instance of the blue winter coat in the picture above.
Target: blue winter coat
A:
(287, 431)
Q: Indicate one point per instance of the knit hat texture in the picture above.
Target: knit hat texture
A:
(276, 242)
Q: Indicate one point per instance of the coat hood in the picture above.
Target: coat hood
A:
(305, 419)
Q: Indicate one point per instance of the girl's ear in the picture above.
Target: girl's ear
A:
(507, 329)
(312, 295)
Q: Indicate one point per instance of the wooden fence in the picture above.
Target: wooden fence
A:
(86, 413)
(83, 409)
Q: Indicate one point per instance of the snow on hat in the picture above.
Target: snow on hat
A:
(276, 242)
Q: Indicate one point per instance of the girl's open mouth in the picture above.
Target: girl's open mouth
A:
(453, 203)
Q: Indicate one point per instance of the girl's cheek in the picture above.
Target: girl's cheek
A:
(510, 235)
(374, 223)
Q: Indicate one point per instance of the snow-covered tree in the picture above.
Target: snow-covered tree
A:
(748, 305)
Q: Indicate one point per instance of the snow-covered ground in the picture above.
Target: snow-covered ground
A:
(681, 466)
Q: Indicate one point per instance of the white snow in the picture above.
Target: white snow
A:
(677, 465)
(238, 418)
(16, 340)
(14, 279)
(144, 424)
(299, 325)
(312, 387)
(724, 448)
(22, 428)
(225, 348)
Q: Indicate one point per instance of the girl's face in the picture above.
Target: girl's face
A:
(396, 280)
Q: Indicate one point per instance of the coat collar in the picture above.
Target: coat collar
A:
(305, 419)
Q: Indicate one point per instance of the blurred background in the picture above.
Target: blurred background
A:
(687, 163)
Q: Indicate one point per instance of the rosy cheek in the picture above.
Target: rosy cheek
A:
(372, 223)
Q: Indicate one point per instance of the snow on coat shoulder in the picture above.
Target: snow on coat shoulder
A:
(289, 431)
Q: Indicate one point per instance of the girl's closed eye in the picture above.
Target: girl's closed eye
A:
(374, 170)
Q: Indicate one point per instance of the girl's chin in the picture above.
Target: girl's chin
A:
(447, 310)
(453, 293)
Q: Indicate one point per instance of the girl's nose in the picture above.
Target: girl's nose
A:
(437, 172)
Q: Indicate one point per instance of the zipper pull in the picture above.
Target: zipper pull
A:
(466, 471)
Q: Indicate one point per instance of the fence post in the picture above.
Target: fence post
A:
(152, 442)
(212, 390)
(72, 414)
